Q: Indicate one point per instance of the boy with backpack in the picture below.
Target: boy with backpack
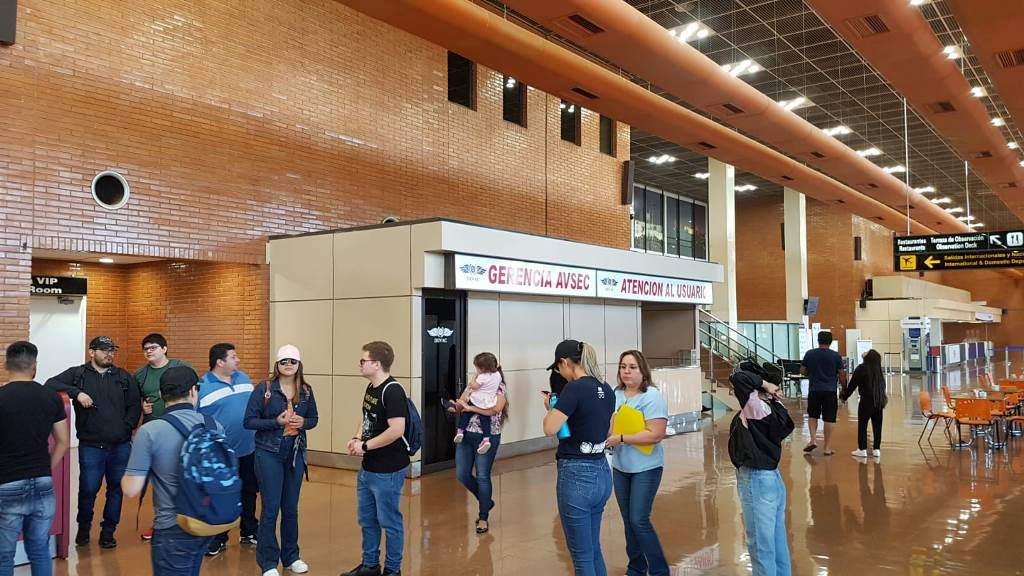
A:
(196, 488)
(385, 446)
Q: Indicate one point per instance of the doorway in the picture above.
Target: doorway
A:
(444, 367)
(57, 328)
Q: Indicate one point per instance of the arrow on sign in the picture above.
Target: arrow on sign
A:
(931, 262)
(995, 239)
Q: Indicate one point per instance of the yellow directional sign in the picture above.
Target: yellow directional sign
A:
(959, 260)
(931, 261)
(908, 262)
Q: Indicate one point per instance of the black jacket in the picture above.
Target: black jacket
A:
(758, 443)
(872, 389)
(117, 405)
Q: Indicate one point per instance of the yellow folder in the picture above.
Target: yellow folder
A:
(629, 420)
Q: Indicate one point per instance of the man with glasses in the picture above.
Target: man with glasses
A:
(223, 394)
(107, 409)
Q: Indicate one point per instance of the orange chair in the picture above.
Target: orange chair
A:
(948, 397)
(931, 417)
(975, 413)
(1011, 385)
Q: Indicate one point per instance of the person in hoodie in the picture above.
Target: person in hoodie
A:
(755, 447)
(223, 394)
(870, 381)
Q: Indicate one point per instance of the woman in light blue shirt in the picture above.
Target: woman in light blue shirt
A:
(636, 475)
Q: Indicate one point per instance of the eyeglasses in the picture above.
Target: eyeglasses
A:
(152, 348)
(364, 361)
(288, 362)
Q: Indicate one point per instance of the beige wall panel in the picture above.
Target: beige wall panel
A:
(621, 329)
(531, 327)
(415, 338)
(302, 268)
(348, 410)
(586, 323)
(359, 321)
(372, 263)
(482, 326)
(527, 408)
(323, 391)
(308, 326)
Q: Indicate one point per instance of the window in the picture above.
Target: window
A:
(570, 122)
(664, 223)
(655, 221)
(672, 225)
(608, 135)
(639, 224)
(513, 104)
(461, 81)
(685, 228)
(700, 231)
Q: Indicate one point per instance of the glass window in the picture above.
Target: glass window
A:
(570, 124)
(639, 225)
(513, 104)
(685, 228)
(672, 225)
(700, 231)
(608, 134)
(655, 221)
(461, 80)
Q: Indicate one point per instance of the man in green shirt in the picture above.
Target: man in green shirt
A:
(154, 347)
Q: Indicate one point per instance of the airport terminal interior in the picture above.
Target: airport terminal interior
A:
(721, 188)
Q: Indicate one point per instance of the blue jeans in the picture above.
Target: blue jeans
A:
(635, 494)
(379, 496)
(582, 489)
(27, 507)
(763, 499)
(176, 552)
(466, 460)
(280, 483)
(94, 465)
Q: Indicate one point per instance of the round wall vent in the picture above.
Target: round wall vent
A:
(110, 190)
(390, 220)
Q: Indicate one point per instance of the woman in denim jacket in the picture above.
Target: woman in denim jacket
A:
(280, 411)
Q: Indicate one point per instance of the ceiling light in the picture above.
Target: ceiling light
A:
(510, 83)
(977, 224)
(894, 169)
(870, 152)
(742, 67)
(997, 121)
(690, 31)
(702, 175)
(1012, 145)
(661, 159)
(924, 189)
(798, 102)
(745, 188)
(837, 131)
(978, 92)
(952, 52)
(943, 200)
(1022, 162)
(956, 210)
(918, 2)
(966, 218)
(106, 260)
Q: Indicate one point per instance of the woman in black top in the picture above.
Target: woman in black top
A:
(869, 378)
(584, 479)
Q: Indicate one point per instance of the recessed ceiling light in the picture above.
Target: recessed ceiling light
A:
(952, 52)
(1012, 145)
(745, 188)
(870, 152)
(793, 104)
(943, 200)
(742, 67)
(837, 131)
(997, 121)
(510, 83)
(966, 218)
(924, 189)
(957, 210)
(702, 175)
(894, 169)
(978, 92)
(661, 159)
(1022, 162)
(918, 2)
(977, 224)
(690, 31)
(106, 260)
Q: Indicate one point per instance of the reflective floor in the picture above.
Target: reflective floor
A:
(918, 511)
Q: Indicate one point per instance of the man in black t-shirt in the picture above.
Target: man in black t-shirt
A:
(29, 414)
(382, 445)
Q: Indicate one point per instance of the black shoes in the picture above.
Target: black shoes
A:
(216, 547)
(107, 540)
(82, 538)
(250, 540)
(363, 570)
(390, 573)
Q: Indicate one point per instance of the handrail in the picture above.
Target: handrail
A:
(771, 356)
(738, 354)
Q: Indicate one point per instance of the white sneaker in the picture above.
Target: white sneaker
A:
(272, 572)
(860, 453)
(878, 453)
(298, 567)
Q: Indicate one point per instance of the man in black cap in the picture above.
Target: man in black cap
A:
(107, 409)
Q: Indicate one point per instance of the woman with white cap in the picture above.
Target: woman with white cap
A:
(281, 410)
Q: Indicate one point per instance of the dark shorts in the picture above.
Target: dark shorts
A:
(823, 405)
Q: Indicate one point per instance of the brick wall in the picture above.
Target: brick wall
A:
(193, 304)
(235, 120)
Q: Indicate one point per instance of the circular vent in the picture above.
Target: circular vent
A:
(110, 190)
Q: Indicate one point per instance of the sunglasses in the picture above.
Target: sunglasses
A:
(364, 361)
(288, 362)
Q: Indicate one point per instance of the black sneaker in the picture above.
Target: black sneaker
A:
(82, 538)
(249, 540)
(216, 547)
(390, 573)
(107, 540)
(363, 570)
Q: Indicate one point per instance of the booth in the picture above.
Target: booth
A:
(441, 291)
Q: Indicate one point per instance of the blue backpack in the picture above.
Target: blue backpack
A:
(209, 498)
(413, 436)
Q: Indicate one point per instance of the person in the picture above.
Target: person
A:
(107, 409)
(636, 475)
(29, 415)
(156, 455)
(224, 394)
(584, 480)
(482, 392)
(827, 373)
(869, 380)
(473, 466)
(281, 410)
(755, 447)
(385, 455)
(154, 348)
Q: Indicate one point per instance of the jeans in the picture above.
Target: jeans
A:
(176, 552)
(866, 412)
(95, 464)
(635, 494)
(379, 496)
(280, 483)
(250, 486)
(582, 489)
(485, 421)
(763, 499)
(27, 507)
(467, 460)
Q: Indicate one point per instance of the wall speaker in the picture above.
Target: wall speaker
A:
(8, 21)
(627, 182)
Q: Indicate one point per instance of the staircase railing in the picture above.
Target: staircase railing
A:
(729, 343)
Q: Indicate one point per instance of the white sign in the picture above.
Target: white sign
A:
(498, 275)
(652, 288)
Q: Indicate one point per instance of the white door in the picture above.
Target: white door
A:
(57, 328)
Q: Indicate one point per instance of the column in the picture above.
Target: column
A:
(722, 237)
(795, 218)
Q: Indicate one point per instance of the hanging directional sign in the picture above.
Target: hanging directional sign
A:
(959, 251)
(959, 260)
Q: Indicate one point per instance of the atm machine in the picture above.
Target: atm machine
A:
(916, 331)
